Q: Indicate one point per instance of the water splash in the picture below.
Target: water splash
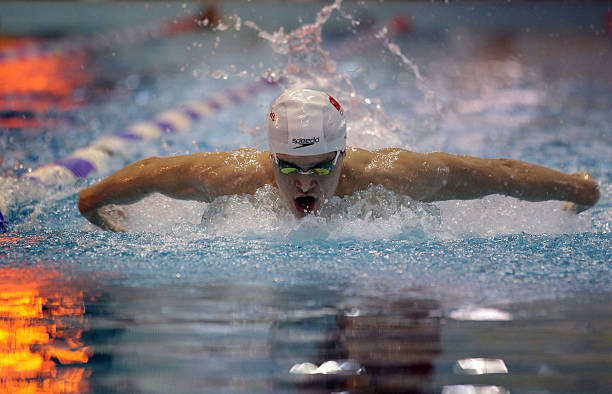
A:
(372, 214)
(303, 45)
(375, 213)
(309, 65)
(394, 49)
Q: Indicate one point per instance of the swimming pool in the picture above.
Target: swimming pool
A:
(494, 295)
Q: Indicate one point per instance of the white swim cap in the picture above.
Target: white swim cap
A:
(304, 122)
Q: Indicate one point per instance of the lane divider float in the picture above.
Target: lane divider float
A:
(3, 222)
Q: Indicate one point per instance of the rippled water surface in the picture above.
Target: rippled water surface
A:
(377, 294)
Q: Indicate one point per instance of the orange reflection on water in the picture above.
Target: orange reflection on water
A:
(55, 73)
(41, 327)
(33, 86)
(13, 238)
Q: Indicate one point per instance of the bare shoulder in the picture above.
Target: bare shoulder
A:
(236, 160)
(383, 158)
(389, 167)
(247, 158)
(238, 171)
(232, 162)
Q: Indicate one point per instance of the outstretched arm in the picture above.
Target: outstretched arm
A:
(199, 177)
(465, 177)
(171, 176)
(439, 176)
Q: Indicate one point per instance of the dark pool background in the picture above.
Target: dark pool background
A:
(486, 296)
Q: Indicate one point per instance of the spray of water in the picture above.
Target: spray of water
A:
(309, 65)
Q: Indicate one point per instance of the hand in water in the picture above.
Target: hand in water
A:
(109, 218)
(574, 207)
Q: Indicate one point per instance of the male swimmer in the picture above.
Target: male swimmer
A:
(309, 162)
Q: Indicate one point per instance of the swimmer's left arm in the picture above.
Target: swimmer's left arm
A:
(440, 176)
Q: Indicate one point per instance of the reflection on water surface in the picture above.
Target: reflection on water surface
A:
(42, 319)
(55, 336)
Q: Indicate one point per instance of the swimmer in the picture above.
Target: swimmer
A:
(309, 162)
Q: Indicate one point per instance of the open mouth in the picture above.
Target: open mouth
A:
(305, 204)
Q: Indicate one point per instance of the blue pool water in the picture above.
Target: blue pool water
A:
(492, 295)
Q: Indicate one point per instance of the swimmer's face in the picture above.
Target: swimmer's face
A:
(305, 193)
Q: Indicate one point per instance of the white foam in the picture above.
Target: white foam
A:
(480, 314)
(372, 214)
(499, 215)
(331, 367)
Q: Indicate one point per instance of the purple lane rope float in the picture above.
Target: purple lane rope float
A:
(3, 224)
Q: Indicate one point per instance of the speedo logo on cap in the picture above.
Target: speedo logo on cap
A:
(304, 142)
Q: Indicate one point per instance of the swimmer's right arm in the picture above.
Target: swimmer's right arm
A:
(170, 176)
(198, 177)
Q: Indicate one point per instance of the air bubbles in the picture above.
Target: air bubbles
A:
(219, 74)
(131, 82)
(480, 314)
(221, 27)
(332, 367)
(237, 22)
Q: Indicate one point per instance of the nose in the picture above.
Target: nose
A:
(305, 183)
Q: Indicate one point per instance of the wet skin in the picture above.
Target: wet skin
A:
(427, 177)
(305, 193)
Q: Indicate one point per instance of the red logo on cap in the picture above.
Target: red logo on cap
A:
(336, 104)
(273, 116)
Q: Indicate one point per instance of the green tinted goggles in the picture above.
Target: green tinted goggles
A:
(322, 168)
